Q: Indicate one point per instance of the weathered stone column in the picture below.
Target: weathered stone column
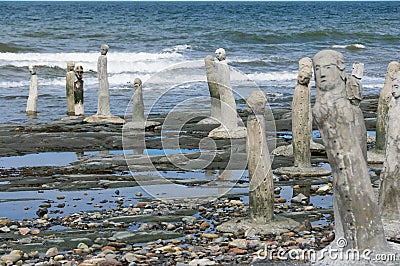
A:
(138, 120)
(301, 131)
(229, 122)
(70, 87)
(31, 105)
(261, 194)
(78, 92)
(103, 104)
(389, 193)
(356, 213)
(381, 114)
(212, 82)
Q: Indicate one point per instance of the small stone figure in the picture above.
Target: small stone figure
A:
(103, 105)
(381, 114)
(356, 213)
(138, 120)
(301, 126)
(353, 84)
(229, 121)
(261, 194)
(78, 92)
(31, 105)
(70, 87)
(214, 93)
(389, 193)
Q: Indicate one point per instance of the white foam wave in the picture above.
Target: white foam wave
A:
(178, 48)
(273, 76)
(117, 62)
(349, 46)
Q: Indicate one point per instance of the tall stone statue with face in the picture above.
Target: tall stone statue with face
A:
(70, 78)
(103, 104)
(355, 210)
(78, 92)
(31, 105)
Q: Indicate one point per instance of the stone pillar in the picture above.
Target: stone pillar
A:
(355, 210)
(229, 122)
(103, 104)
(70, 87)
(78, 92)
(301, 125)
(389, 193)
(261, 190)
(214, 93)
(31, 105)
(384, 99)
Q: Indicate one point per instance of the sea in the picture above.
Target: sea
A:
(164, 44)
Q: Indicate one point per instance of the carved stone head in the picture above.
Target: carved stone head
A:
(209, 61)
(256, 103)
(32, 70)
(392, 69)
(328, 69)
(104, 49)
(396, 85)
(305, 71)
(137, 83)
(70, 66)
(79, 72)
(220, 54)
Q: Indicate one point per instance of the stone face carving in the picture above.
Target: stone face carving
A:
(78, 92)
(103, 104)
(389, 193)
(229, 123)
(384, 99)
(261, 194)
(301, 114)
(70, 78)
(356, 212)
(214, 93)
(31, 105)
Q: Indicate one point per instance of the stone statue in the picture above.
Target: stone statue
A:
(78, 92)
(355, 210)
(138, 119)
(389, 193)
(31, 105)
(261, 194)
(214, 93)
(70, 87)
(103, 104)
(384, 99)
(301, 124)
(229, 122)
(353, 84)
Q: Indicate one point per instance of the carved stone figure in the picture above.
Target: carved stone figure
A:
(355, 210)
(214, 93)
(138, 119)
(70, 78)
(389, 193)
(78, 92)
(384, 99)
(229, 122)
(31, 105)
(261, 194)
(301, 124)
(103, 104)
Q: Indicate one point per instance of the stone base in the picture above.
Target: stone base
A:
(141, 125)
(71, 117)
(288, 149)
(79, 109)
(208, 121)
(31, 113)
(107, 119)
(303, 172)
(277, 226)
(391, 228)
(375, 157)
(222, 133)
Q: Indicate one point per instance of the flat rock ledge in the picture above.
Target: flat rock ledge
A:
(222, 133)
(277, 226)
(107, 119)
(302, 172)
(375, 157)
(287, 150)
(141, 125)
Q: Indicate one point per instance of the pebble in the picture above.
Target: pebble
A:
(51, 252)
(24, 230)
